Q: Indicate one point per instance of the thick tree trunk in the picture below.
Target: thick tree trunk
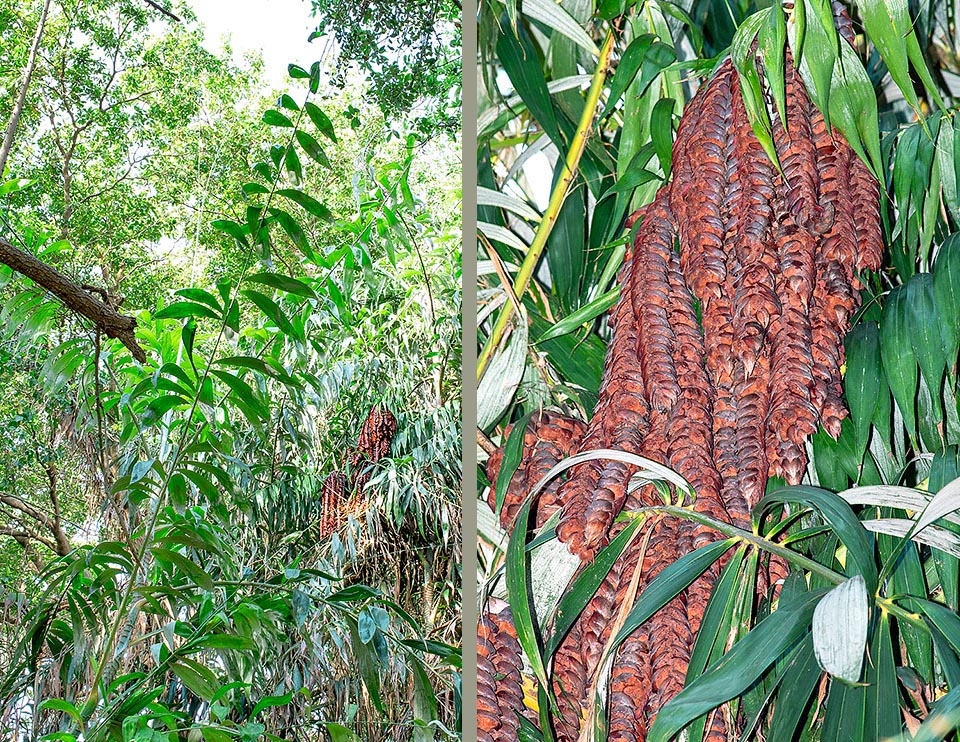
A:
(111, 323)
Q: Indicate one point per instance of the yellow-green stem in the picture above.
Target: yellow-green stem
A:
(570, 165)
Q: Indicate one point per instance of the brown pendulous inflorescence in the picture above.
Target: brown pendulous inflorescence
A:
(341, 494)
(725, 357)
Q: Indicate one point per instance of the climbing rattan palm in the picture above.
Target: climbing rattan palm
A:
(725, 356)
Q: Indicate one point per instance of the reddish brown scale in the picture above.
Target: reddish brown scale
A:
(569, 676)
(866, 214)
(753, 403)
(699, 185)
(548, 439)
(650, 294)
(499, 682)
(629, 685)
(843, 22)
(798, 157)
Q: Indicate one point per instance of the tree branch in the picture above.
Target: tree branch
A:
(111, 323)
(22, 97)
(162, 10)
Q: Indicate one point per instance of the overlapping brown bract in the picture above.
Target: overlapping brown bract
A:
(725, 357)
(341, 495)
(499, 682)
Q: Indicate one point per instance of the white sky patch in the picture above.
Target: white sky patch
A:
(278, 29)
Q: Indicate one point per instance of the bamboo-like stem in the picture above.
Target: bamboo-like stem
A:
(570, 165)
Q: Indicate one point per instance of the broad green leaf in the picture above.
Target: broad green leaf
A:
(923, 325)
(627, 69)
(585, 586)
(231, 228)
(819, 57)
(283, 283)
(205, 297)
(490, 197)
(184, 309)
(294, 231)
(518, 591)
(270, 308)
(946, 501)
(512, 455)
(661, 131)
(553, 15)
(899, 360)
(840, 629)
(321, 121)
(773, 39)
(310, 204)
(368, 663)
(669, 583)
(842, 520)
(270, 702)
(275, 118)
(853, 108)
(312, 147)
(863, 381)
(198, 678)
(585, 314)
(739, 668)
(503, 376)
(189, 568)
(520, 62)
(340, 733)
(946, 289)
(297, 72)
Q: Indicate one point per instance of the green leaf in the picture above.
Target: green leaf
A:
(297, 73)
(184, 309)
(627, 69)
(899, 361)
(554, 16)
(198, 678)
(839, 516)
(294, 231)
(840, 629)
(518, 590)
(231, 228)
(310, 204)
(585, 585)
(189, 568)
(669, 583)
(339, 733)
(740, 667)
(271, 702)
(283, 283)
(923, 326)
(503, 377)
(946, 289)
(819, 55)
(661, 131)
(320, 120)
(853, 108)
(312, 147)
(368, 664)
(287, 102)
(773, 38)
(586, 313)
(512, 455)
(58, 704)
(202, 296)
(275, 118)
(270, 308)
(862, 383)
